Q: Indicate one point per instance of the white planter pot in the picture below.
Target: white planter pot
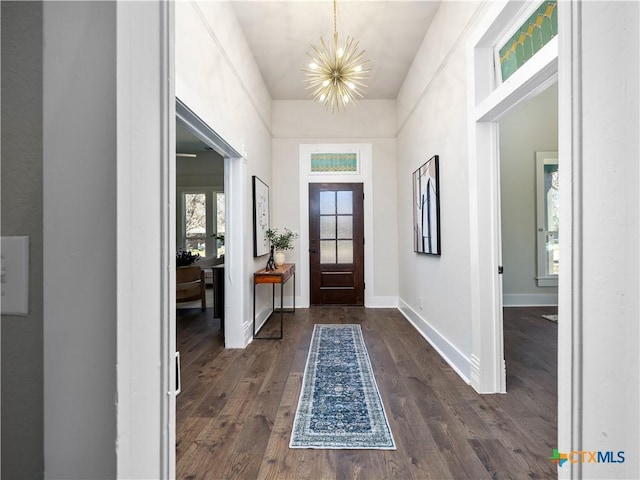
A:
(279, 257)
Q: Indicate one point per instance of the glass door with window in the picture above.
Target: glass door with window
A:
(336, 243)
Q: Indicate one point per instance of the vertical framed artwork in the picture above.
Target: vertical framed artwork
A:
(260, 217)
(426, 208)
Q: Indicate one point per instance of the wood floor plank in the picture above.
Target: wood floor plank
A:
(236, 411)
(213, 447)
(279, 461)
(316, 464)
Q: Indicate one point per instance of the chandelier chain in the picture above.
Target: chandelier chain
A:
(335, 23)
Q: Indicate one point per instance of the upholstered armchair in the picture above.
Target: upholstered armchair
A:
(190, 285)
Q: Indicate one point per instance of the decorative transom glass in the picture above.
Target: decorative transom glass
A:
(532, 35)
(334, 162)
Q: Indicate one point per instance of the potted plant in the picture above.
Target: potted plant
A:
(281, 242)
(184, 258)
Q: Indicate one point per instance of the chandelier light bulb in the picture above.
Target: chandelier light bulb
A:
(336, 75)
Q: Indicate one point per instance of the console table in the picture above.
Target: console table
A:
(278, 276)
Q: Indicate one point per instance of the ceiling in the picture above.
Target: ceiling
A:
(280, 34)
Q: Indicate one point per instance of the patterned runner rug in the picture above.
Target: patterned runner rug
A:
(340, 406)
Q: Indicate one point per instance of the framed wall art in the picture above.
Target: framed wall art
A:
(426, 208)
(260, 217)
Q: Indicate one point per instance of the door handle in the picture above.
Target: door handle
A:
(178, 376)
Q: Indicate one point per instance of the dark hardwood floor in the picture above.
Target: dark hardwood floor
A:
(236, 410)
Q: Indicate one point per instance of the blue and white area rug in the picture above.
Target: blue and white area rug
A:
(340, 406)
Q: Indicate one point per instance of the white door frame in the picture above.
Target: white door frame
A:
(234, 167)
(364, 175)
(146, 178)
(487, 102)
(560, 59)
(145, 403)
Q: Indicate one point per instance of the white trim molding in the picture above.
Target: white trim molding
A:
(570, 283)
(460, 363)
(382, 302)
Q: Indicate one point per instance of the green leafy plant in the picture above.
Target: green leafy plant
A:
(281, 241)
(184, 258)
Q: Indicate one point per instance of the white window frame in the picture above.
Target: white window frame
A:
(543, 278)
(211, 212)
(216, 191)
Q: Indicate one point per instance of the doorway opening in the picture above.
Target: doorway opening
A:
(529, 191)
(489, 99)
(529, 201)
(208, 201)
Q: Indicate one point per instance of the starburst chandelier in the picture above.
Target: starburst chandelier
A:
(336, 73)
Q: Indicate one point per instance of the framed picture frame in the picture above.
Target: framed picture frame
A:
(426, 208)
(260, 217)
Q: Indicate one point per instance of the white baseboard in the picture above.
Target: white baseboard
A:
(530, 299)
(373, 302)
(460, 363)
(381, 302)
(261, 319)
(248, 333)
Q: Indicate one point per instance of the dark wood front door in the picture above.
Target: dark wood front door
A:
(336, 243)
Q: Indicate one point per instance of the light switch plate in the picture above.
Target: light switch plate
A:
(14, 252)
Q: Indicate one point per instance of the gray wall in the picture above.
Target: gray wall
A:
(206, 170)
(79, 196)
(531, 127)
(22, 369)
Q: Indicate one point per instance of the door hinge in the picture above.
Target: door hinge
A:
(500, 269)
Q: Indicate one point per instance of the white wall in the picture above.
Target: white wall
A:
(432, 117)
(529, 128)
(609, 236)
(369, 121)
(79, 122)
(218, 79)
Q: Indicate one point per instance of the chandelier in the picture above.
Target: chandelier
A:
(336, 73)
